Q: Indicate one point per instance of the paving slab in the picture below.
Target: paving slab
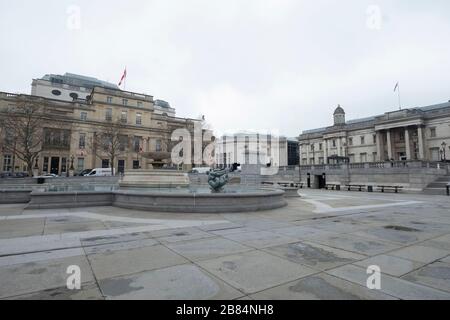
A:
(302, 232)
(110, 239)
(260, 239)
(183, 282)
(391, 265)
(37, 276)
(180, 235)
(207, 248)
(436, 275)
(321, 287)
(396, 233)
(117, 263)
(396, 287)
(73, 227)
(420, 253)
(355, 244)
(88, 291)
(314, 255)
(118, 246)
(254, 271)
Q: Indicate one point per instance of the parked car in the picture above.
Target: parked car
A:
(99, 172)
(48, 175)
(201, 170)
(82, 173)
(14, 174)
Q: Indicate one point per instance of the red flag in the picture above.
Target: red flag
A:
(123, 77)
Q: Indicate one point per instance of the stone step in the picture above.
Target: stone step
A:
(435, 191)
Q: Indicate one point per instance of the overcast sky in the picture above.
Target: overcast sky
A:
(280, 65)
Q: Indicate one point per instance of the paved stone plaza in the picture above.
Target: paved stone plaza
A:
(318, 247)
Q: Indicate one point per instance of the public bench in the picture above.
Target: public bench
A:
(382, 188)
(332, 186)
(285, 184)
(359, 187)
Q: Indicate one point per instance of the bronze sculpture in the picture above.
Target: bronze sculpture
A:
(217, 179)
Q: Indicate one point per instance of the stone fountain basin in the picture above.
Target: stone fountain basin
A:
(200, 201)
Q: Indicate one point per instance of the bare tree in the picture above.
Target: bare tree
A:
(110, 141)
(23, 130)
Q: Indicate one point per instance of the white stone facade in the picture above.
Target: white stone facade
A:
(409, 134)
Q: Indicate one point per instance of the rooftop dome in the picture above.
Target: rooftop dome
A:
(162, 104)
(339, 110)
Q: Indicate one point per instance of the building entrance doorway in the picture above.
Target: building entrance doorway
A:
(319, 182)
(54, 165)
(121, 166)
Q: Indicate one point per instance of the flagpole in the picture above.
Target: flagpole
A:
(399, 101)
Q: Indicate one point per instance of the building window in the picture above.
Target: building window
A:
(138, 118)
(158, 145)
(105, 163)
(124, 117)
(63, 164)
(7, 163)
(83, 116)
(135, 164)
(402, 136)
(312, 147)
(45, 165)
(350, 141)
(433, 132)
(74, 96)
(125, 102)
(363, 140)
(80, 164)
(139, 104)
(374, 156)
(320, 146)
(137, 144)
(56, 92)
(363, 157)
(82, 141)
(374, 138)
(108, 115)
(109, 100)
(334, 143)
(123, 143)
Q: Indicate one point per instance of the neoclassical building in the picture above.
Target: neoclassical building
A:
(144, 129)
(421, 133)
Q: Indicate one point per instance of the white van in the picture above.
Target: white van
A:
(100, 172)
(201, 170)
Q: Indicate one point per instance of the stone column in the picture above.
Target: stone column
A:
(325, 151)
(407, 144)
(308, 146)
(300, 150)
(421, 146)
(380, 151)
(389, 144)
